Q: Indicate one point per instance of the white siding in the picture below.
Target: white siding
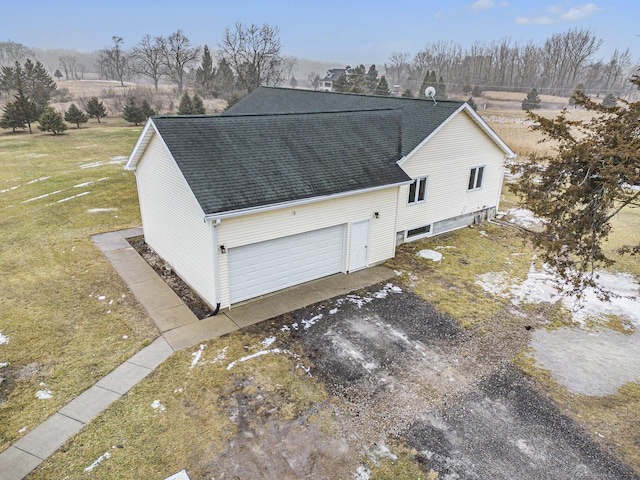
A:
(447, 159)
(173, 221)
(234, 232)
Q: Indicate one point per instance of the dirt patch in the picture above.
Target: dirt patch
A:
(191, 299)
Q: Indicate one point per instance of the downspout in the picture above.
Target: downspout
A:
(216, 268)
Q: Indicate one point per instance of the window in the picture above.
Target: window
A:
(475, 178)
(418, 232)
(418, 190)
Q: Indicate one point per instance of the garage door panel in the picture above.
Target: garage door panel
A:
(265, 267)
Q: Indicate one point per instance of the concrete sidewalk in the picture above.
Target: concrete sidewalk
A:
(179, 329)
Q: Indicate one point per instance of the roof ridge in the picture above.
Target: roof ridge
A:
(353, 94)
(282, 114)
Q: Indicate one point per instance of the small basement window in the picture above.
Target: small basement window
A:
(418, 190)
(475, 178)
(419, 232)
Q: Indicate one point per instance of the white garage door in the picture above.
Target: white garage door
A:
(265, 267)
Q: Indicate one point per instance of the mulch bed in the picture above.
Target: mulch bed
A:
(191, 299)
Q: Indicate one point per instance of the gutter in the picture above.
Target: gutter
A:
(216, 269)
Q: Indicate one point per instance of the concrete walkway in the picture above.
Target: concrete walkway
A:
(179, 329)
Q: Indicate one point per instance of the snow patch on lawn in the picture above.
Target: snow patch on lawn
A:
(196, 356)
(101, 210)
(3, 339)
(157, 406)
(41, 196)
(45, 393)
(181, 475)
(101, 458)
(72, 197)
(430, 255)
(523, 218)
(541, 286)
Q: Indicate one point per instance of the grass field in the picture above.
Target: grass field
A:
(69, 319)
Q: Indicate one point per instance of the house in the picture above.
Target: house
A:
(326, 84)
(288, 186)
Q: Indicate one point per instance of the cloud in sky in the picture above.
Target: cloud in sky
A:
(487, 4)
(558, 14)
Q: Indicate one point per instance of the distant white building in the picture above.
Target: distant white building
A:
(326, 84)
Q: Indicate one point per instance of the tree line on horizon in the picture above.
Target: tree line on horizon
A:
(251, 55)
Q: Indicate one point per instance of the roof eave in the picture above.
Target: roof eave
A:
(484, 126)
(141, 145)
(295, 203)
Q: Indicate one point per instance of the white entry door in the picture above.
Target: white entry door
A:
(264, 267)
(359, 249)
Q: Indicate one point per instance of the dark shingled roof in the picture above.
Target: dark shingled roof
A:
(420, 117)
(242, 162)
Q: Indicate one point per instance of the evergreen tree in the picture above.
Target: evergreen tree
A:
(407, 93)
(205, 75)
(51, 121)
(372, 79)
(12, 117)
(38, 84)
(476, 92)
(342, 84)
(147, 111)
(232, 101)
(466, 89)
(583, 188)
(186, 105)
(293, 83)
(472, 104)
(75, 115)
(133, 112)
(609, 100)
(225, 80)
(358, 79)
(95, 108)
(26, 108)
(198, 105)
(383, 87)
(32, 80)
(441, 89)
(58, 74)
(532, 101)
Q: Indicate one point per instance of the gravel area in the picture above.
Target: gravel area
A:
(399, 371)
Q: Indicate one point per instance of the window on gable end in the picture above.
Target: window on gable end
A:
(475, 178)
(418, 190)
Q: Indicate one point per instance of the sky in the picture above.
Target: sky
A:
(345, 32)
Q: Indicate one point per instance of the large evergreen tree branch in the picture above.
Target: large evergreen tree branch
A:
(593, 176)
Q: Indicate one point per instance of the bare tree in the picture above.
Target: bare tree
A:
(178, 55)
(314, 80)
(253, 53)
(113, 63)
(12, 52)
(68, 63)
(148, 58)
(613, 70)
(289, 64)
(397, 68)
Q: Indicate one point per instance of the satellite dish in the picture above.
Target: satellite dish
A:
(430, 92)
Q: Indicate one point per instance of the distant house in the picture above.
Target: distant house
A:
(326, 84)
(292, 185)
